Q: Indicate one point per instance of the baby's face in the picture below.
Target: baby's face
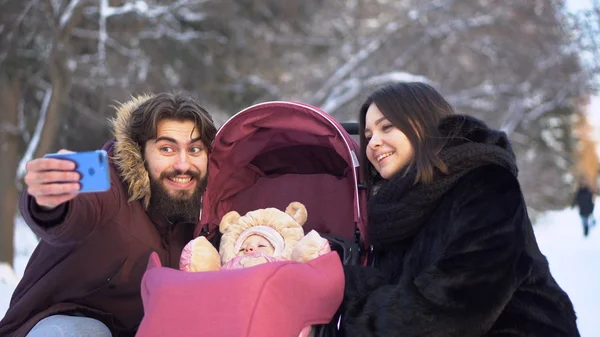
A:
(256, 244)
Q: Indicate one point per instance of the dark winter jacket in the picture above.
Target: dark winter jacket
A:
(456, 257)
(95, 248)
(584, 200)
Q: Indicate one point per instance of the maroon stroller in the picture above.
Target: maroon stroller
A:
(271, 154)
(276, 152)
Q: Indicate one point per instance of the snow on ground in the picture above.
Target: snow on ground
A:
(25, 242)
(574, 262)
(8, 280)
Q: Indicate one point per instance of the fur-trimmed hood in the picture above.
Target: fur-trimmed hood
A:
(288, 224)
(127, 154)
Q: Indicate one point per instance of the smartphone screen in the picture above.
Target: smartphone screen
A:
(92, 166)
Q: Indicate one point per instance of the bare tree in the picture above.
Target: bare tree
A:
(48, 71)
(512, 63)
(68, 61)
(36, 51)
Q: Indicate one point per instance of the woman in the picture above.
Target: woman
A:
(455, 253)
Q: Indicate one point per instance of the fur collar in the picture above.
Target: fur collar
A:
(127, 154)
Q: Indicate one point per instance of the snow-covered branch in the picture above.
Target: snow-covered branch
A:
(190, 16)
(182, 36)
(341, 94)
(541, 109)
(487, 89)
(68, 13)
(21, 17)
(362, 55)
(55, 5)
(102, 35)
(515, 115)
(33, 144)
(351, 88)
(390, 30)
(22, 122)
(416, 14)
(269, 87)
(395, 76)
(141, 7)
(526, 110)
(458, 25)
(114, 44)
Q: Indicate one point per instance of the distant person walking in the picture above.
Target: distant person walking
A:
(584, 199)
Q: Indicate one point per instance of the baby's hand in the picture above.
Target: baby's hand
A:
(311, 246)
(199, 255)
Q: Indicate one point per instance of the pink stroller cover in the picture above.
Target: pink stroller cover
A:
(275, 299)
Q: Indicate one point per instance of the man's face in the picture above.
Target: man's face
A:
(177, 162)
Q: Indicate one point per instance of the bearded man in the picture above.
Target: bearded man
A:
(84, 277)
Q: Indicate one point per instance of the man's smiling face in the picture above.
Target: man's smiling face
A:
(177, 158)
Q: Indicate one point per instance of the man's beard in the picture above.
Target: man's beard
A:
(181, 207)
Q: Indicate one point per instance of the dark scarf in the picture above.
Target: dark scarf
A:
(399, 208)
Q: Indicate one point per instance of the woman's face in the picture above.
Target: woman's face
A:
(388, 148)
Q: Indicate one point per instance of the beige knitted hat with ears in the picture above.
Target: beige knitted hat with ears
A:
(288, 224)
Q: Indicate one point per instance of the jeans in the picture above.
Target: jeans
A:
(69, 326)
(587, 222)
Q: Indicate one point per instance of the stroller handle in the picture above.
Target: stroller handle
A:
(350, 127)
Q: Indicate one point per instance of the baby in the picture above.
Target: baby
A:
(264, 235)
(257, 242)
(261, 236)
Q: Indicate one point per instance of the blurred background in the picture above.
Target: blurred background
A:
(528, 67)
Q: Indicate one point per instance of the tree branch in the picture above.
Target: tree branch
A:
(33, 144)
(68, 13)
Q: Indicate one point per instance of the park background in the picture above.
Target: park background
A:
(528, 67)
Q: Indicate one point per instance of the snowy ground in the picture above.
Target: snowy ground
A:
(574, 261)
(575, 264)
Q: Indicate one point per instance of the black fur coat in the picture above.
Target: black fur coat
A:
(458, 257)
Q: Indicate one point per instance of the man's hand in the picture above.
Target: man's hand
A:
(52, 181)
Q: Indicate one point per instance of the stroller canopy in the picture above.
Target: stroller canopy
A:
(276, 152)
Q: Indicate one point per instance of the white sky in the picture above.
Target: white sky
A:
(575, 5)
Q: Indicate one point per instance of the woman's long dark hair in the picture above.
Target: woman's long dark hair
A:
(416, 109)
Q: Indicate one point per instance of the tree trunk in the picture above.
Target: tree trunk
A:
(58, 77)
(10, 92)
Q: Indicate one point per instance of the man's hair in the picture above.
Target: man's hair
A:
(173, 106)
(416, 109)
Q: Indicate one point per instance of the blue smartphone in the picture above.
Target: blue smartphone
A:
(92, 166)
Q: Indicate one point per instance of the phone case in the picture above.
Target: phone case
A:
(93, 167)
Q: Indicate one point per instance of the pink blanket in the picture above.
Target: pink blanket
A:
(275, 299)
